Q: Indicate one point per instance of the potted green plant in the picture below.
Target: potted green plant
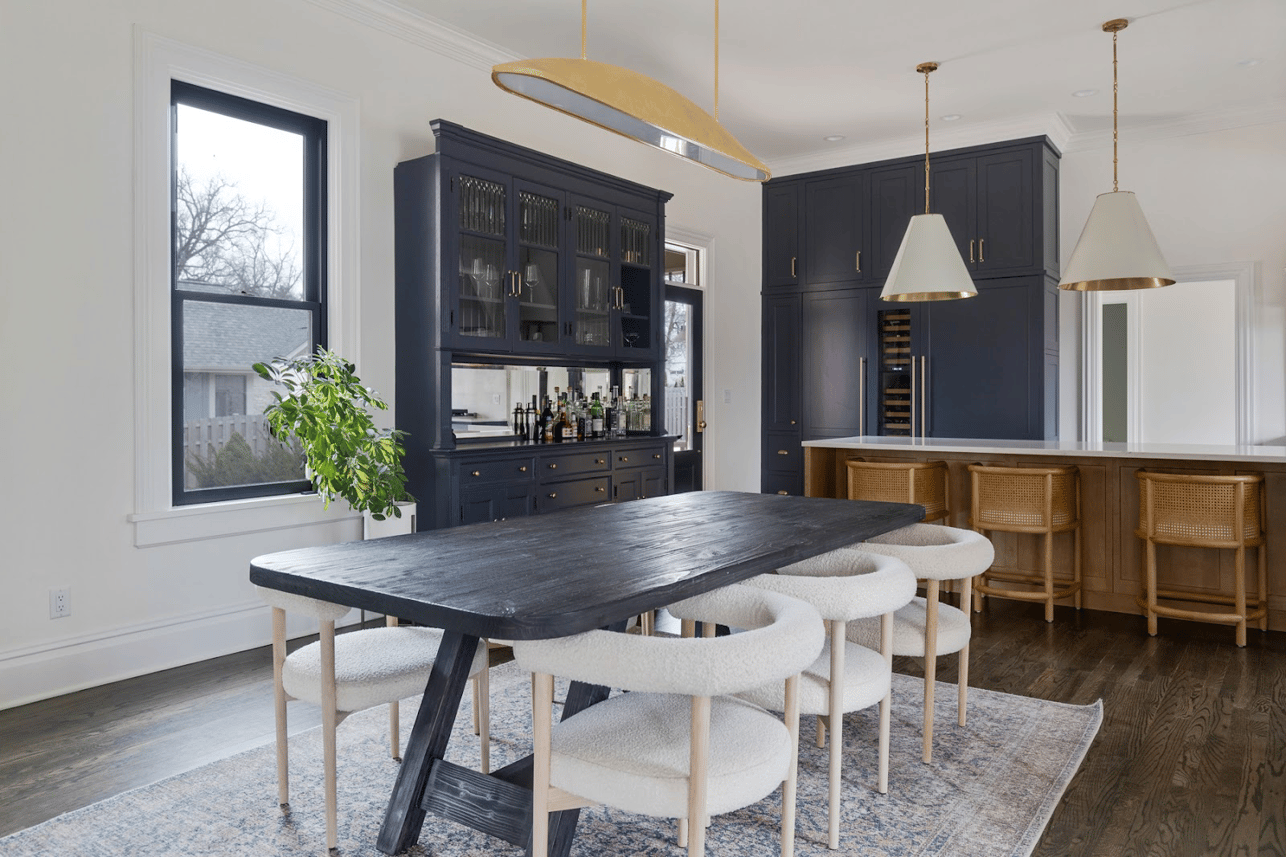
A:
(326, 409)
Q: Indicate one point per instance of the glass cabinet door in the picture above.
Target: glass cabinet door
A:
(593, 297)
(637, 285)
(537, 277)
(484, 276)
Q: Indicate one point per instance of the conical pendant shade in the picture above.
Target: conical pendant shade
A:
(928, 266)
(1116, 250)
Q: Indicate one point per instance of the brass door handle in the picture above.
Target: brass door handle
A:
(971, 243)
(792, 267)
(858, 263)
(981, 257)
(782, 452)
(701, 415)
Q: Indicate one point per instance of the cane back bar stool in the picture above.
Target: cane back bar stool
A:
(1045, 500)
(1203, 511)
(923, 482)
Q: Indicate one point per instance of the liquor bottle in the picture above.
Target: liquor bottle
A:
(596, 416)
(547, 423)
(531, 418)
(581, 423)
(520, 427)
(563, 431)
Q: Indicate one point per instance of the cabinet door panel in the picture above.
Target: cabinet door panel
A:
(1006, 212)
(897, 193)
(835, 230)
(781, 235)
(985, 363)
(952, 194)
(494, 502)
(835, 334)
(781, 363)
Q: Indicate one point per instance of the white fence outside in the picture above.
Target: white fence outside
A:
(676, 412)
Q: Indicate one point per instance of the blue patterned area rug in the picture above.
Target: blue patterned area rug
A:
(989, 792)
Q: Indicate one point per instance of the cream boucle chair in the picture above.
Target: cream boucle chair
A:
(843, 585)
(924, 628)
(351, 672)
(654, 752)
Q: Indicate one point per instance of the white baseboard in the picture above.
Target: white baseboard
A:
(44, 671)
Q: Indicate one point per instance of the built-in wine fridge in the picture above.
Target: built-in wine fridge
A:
(895, 387)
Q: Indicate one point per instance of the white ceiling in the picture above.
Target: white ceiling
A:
(792, 73)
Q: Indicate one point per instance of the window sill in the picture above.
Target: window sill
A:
(235, 517)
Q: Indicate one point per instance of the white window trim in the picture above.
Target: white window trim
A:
(157, 61)
(1246, 276)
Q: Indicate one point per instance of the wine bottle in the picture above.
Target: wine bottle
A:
(547, 423)
(596, 417)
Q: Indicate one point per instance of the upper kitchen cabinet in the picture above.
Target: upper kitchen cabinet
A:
(835, 229)
(1001, 204)
(781, 241)
(896, 194)
(505, 251)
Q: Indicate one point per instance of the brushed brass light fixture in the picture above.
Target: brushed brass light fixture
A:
(633, 105)
(1117, 249)
(928, 266)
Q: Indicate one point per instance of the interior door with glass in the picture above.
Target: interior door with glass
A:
(482, 204)
(684, 406)
(594, 295)
(537, 278)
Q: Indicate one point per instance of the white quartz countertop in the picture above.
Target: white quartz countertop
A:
(1055, 448)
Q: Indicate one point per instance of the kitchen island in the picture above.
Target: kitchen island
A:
(1109, 506)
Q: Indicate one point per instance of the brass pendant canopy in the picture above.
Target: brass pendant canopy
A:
(928, 266)
(633, 105)
(1117, 250)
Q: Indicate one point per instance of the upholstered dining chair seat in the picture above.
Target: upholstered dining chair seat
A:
(935, 552)
(372, 666)
(909, 625)
(632, 753)
(866, 681)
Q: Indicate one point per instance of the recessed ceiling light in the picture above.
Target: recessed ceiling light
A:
(1084, 93)
(833, 138)
(950, 117)
(1247, 63)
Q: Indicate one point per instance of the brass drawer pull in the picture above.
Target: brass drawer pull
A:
(782, 452)
(792, 267)
(522, 469)
(623, 458)
(656, 455)
(477, 473)
(600, 460)
(553, 467)
(784, 493)
(600, 489)
(792, 422)
(553, 496)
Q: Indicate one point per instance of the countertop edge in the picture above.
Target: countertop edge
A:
(1067, 449)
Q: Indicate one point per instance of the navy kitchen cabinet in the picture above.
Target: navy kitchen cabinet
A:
(781, 242)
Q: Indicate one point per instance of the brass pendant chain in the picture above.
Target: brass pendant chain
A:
(716, 60)
(1114, 134)
(926, 139)
(584, 16)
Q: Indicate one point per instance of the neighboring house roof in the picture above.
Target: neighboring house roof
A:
(219, 337)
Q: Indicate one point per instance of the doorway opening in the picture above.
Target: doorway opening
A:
(684, 370)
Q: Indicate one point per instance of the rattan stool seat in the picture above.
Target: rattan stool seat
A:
(1191, 510)
(1043, 500)
(922, 482)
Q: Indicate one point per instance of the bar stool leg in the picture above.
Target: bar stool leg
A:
(1239, 581)
(1076, 564)
(930, 664)
(1049, 576)
(1263, 583)
(1150, 584)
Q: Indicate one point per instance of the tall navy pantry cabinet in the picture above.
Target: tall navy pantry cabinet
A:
(508, 257)
(838, 361)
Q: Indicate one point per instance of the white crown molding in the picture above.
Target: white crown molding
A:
(1225, 119)
(982, 133)
(423, 30)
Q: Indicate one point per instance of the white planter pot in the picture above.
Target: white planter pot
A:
(373, 529)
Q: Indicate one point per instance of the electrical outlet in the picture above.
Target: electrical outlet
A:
(727, 397)
(495, 398)
(59, 603)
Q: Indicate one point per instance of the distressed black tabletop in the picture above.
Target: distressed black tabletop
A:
(568, 572)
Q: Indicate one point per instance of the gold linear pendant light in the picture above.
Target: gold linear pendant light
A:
(1117, 249)
(633, 105)
(928, 266)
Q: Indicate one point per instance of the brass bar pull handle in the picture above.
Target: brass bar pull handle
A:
(861, 395)
(971, 243)
(701, 415)
(792, 267)
(913, 397)
(858, 261)
(517, 285)
(981, 257)
(924, 397)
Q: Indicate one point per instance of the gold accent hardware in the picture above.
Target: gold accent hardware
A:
(981, 258)
(792, 422)
(477, 473)
(701, 415)
(600, 460)
(656, 455)
(858, 262)
(522, 469)
(553, 495)
(972, 241)
(624, 458)
(782, 452)
(784, 493)
(924, 68)
(599, 488)
(553, 467)
(792, 267)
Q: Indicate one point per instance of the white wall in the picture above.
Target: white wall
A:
(1211, 198)
(67, 320)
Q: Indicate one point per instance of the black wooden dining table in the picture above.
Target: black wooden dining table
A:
(551, 576)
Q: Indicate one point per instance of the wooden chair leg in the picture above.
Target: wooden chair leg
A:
(482, 687)
(964, 670)
(1262, 558)
(1150, 584)
(930, 664)
(542, 700)
(698, 756)
(687, 628)
(836, 718)
(1239, 584)
(821, 731)
(1049, 576)
(886, 704)
(1077, 559)
(279, 703)
(789, 787)
(330, 719)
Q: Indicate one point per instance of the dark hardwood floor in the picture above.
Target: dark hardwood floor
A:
(1190, 760)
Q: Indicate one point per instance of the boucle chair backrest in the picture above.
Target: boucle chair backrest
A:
(935, 551)
(785, 635)
(845, 584)
(322, 611)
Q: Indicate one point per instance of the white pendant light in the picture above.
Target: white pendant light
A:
(633, 105)
(928, 266)
(1117, 249)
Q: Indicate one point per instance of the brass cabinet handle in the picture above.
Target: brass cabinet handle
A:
(981, 257)
(782, 452)
(859, 261)
(600, 489)
(783, 493)
(553, 467)
(623, 458)
(971, 243)
(553, 495)
(522, 469)
(477, 473)
(792, 422)
(792, 267)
